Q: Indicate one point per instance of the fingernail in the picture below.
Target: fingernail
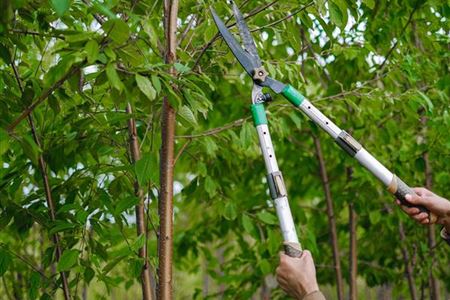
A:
(408, 197)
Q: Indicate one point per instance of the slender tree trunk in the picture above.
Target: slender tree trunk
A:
(47, 189)
(433, 282)
(165, 241)
(408, 267)
(353, 256)
(141, 224)
(221, 260)
(205, 280)
(265, 291)
(331, 219)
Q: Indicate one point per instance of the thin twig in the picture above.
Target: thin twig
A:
(42, 98)
(283, 19)
(214, 131)
(24, 260)
(35, 33)
(381, 67)
(181, 151)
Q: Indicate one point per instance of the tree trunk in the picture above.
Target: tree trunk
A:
(141, 224)
(331, 219)
(165, 241)
(408, 267)
(205, 280)
(433, 282)
(353, 256)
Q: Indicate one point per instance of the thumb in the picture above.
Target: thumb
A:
(415, 199)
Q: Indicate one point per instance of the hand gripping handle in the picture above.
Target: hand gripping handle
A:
(401, 189)
(292, 249)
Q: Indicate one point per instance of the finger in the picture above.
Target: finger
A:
(425, 221)
(305, 253)
(410, 210)
(420, 217)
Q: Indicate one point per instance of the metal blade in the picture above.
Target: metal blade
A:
(243, 57)
(247, 39)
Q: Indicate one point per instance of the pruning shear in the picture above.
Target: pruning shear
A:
(250, 61)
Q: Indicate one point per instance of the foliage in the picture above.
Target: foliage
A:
(376, 67)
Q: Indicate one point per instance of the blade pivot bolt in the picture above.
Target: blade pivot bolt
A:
(259, 74)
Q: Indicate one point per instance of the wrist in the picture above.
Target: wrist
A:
(310, 288)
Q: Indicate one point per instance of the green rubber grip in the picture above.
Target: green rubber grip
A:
(259, 114)
(293, 95)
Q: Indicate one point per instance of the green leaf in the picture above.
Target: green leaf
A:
(375, 217)
(210, 186)
(92, 51)
(117, 30)
(4, 54)
(265, 267)
(267, 218)
(68, 260)
(30, 149)
(336, 14)
(156, 83)
(143, 169)
(429, 104)
(138, 243)
(135, 266)
(246, 134)
(4, 141)
(60, 6)
(102, 9)
(125, 203)
(89, 273)
(145, 86)
(61, 226)
(230, 211)
(247, 223)
(370, 3)
(181, 68)
(114, 77)
(34, 283)
(186, 113)
(5, 261)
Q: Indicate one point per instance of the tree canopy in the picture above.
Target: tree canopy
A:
(70, 68)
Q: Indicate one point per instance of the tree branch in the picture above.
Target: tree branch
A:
(42, 98)
(284, 18)
(141, 225)
(381, 67)
(214, 131)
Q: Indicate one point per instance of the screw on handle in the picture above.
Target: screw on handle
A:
(401, 190)
(292, 249)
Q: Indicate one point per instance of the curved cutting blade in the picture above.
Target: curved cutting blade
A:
(245, 59)
(247, 39)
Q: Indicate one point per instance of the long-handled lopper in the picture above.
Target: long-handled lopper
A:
(250, 61)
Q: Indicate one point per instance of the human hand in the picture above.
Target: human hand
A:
(297, 276)
(434, 203)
